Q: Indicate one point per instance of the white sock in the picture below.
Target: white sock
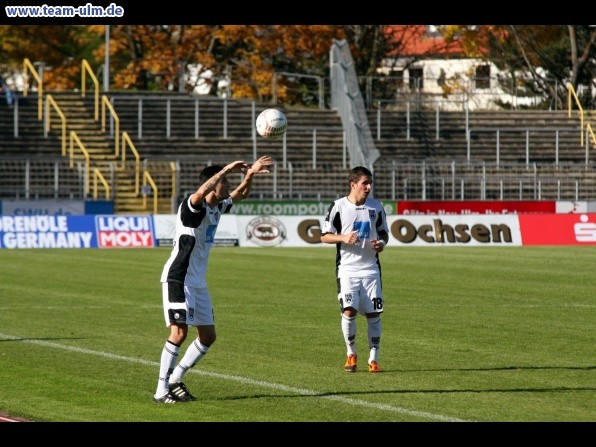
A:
(374, 338)
(195, 352)
(169, 354)
(348, 328)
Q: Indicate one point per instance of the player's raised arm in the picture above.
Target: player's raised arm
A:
(261, 166)
(210, 184)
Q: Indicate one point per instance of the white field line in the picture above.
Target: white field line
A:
(275, 386)
(7, 419)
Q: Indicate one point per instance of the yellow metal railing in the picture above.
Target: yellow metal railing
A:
(29, 66)
(74, 138)
(584, 126)
(147, 178)
(50, 102)
(572, 95)
(98, 175)
(127, 142)
(105, 102)
(86, 68)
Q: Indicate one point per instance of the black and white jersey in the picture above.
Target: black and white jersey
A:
(195, 232)
(368, 219)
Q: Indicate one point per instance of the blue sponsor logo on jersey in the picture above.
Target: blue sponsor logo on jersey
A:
(363, 229)
(210, 235)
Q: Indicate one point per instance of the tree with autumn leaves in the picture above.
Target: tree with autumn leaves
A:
(541, 58)
(153, 57)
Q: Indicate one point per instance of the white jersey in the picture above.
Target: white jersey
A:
(368, 219)
(195, 232)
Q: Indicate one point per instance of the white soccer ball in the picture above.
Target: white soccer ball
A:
(272, 124)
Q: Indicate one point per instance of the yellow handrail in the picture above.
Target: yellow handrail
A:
(73, 138)
(50, 102)
(85, 67)
(98, 175)
(126, 139)
(147, 178)
(28, 65)
(105, 102)
(579, 106)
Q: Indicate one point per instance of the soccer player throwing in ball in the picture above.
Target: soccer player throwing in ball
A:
(186, 298)
(357, 225)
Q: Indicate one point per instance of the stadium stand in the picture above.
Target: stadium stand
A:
(444, 135)
(427, 155)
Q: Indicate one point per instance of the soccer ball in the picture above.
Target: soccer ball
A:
(272, 124)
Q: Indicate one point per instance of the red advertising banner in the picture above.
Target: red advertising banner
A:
(475, 207)
(558, 229)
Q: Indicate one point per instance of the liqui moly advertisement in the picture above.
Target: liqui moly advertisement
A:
(89, 231)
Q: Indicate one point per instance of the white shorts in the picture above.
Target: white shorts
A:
(363, 294)
(186, 305)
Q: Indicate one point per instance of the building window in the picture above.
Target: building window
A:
(416, 79)
(482, 79)
(398, 80)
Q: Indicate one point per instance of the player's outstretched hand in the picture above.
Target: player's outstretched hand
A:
(261, 166)
(237, 166)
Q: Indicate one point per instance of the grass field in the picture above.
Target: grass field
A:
(495, 334)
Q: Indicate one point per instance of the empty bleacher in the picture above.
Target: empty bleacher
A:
(424, 155)
(194, 132)
(175, 135)
(517, 136)
(166, 126)
(486, 155)
(22, 133)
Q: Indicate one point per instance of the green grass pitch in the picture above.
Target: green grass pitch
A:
(480, 334)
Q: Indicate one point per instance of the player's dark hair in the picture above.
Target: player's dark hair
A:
(357, 173)
(208, 172)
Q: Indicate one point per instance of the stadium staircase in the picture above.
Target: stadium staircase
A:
(22, 146)
(80, 124)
